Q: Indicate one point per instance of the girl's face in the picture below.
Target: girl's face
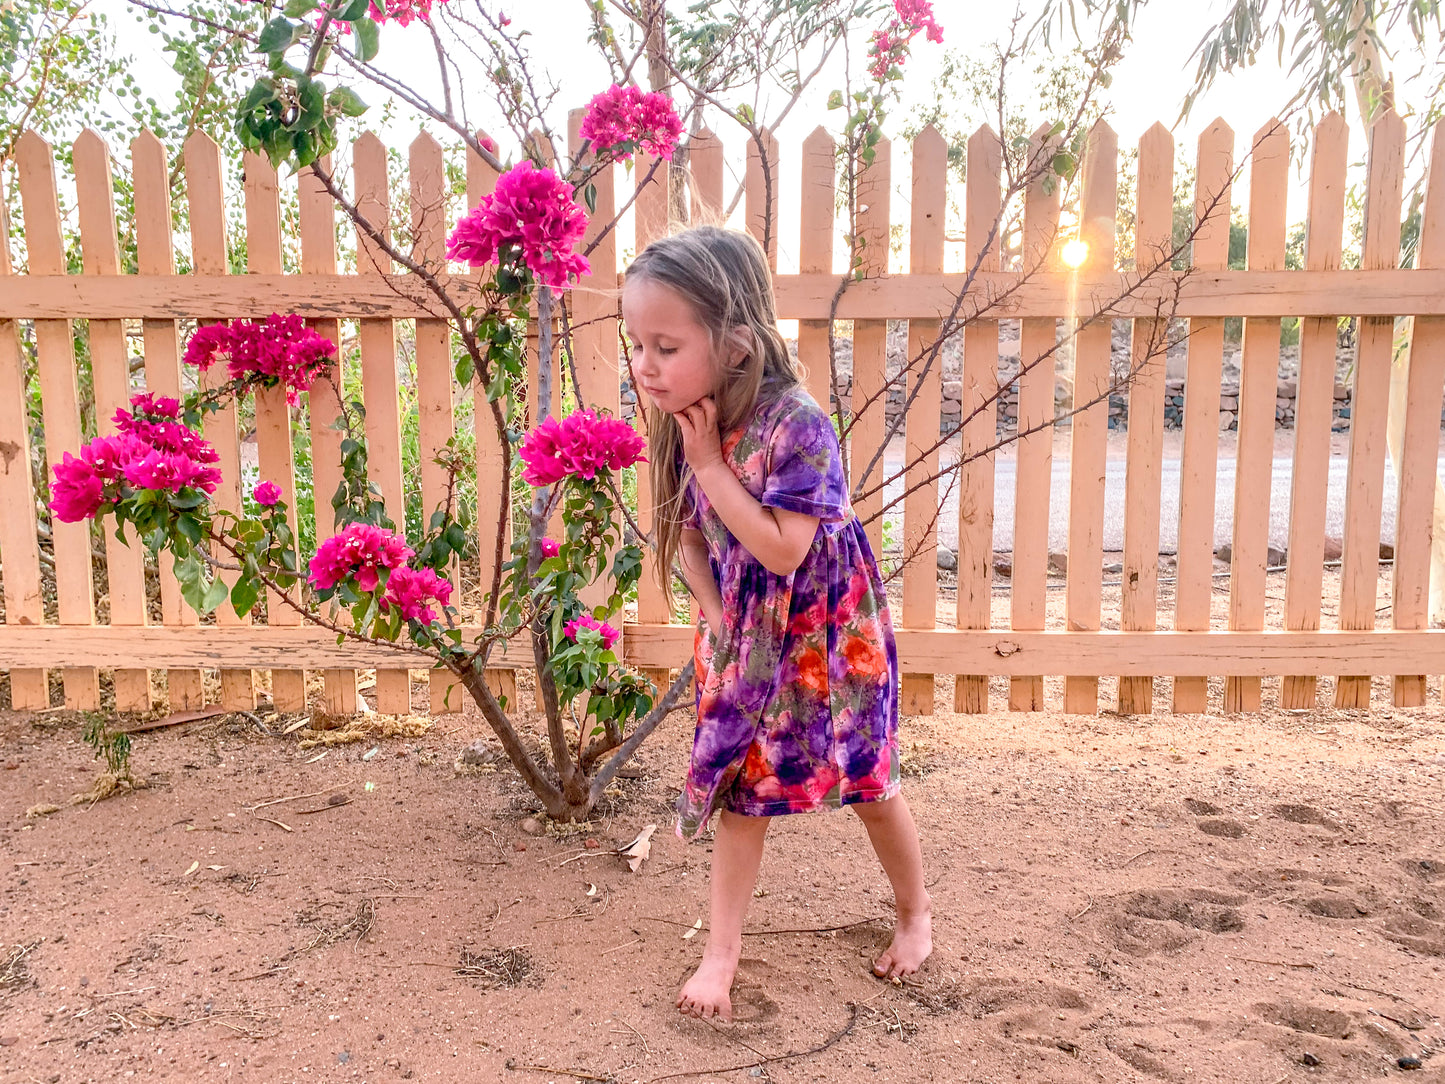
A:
(673, 359)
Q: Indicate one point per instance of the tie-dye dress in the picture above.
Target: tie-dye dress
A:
(797, 705)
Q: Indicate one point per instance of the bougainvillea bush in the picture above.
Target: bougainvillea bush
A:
(157, 477)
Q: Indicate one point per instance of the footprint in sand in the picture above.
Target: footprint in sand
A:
(1221, 827)
(1330, 1023)
(1304, 814)
(1416, 934)
(1143, 923)
(1201, 808)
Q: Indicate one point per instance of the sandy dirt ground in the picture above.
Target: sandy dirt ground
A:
(1255, 898)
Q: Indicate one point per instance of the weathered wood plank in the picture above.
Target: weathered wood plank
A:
(110, 373)
(1143, 470)
(1415, 523)
(1038, 361)
(982, 209)
(920, 506)
(870, 351)
(800, 297)
(1258, 388)
(1369, 404)
(815, 256)
(59, 402)
(19, 545)
(1088, 443)
(1199, 458)
(1314, 403)
(317, 226)
(994, 651)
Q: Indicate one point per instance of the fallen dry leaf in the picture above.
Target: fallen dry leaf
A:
(194, 866)
(639, 849)
(591, 889)
(692, 932)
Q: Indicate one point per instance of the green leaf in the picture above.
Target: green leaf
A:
(347, 101)
(368, 39)
(835, 100)
(244, 596)
(214, 596)
(261, 92)
(589, 193)
(297, 8)
(352, 10)
(278, 35)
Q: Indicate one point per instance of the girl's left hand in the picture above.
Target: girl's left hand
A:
(701, 441)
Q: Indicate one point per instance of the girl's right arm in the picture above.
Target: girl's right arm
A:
(692, 554)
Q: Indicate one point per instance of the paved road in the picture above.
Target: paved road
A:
(1169, 504)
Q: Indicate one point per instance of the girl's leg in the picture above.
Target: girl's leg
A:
(895, 840)
(736, 854)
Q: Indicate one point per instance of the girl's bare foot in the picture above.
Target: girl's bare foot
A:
(912, 942)
(706, 993)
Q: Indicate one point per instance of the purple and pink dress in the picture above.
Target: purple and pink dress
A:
(797, 703)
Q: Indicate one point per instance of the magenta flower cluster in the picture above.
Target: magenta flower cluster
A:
(890, 45)
(413, 590)
(281, 350)
(358, 552)
(550, 547)
(582, 444)
(403, 11)
(624, 118)
(267, 494)
(531, 217)
(587, 621)
(152, 449)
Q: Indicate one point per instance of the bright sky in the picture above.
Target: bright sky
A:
(1148, 86)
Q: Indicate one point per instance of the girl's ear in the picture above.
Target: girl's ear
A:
(740, 343)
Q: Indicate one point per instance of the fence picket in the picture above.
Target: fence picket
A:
(59, 402)
(1139, 605)
(1314, 403)
(705, 163)
(983, 200)
(1415, 522)
(110, 374)
(494, 517)
(920, 505)
(1088, 443)
(1365, 474)
(1199, 458)
(815, 255)
(317, 227)
(650, 224)
(1258, 389)
(378, 376)
(760, 187)
(262, 195)
(19, 538)
(435, 423)
(1038, 355)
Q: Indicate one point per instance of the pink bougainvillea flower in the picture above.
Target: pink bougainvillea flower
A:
(267, 494)
(403, 11)
(581, 444)
(550, 547)
(413, 590)
(624, 118)
(917, 15)
(587, 621)
(150, 450)
(531, 217)
(358, 552)
(280, 351)
(78, 490)
(889, 47)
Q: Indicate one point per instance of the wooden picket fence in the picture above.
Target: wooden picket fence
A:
(1256, 642)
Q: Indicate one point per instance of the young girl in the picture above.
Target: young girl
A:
(796, 666)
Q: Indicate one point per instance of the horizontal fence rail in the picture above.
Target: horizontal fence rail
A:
(1045, 616)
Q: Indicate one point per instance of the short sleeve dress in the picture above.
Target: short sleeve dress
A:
(797, 704)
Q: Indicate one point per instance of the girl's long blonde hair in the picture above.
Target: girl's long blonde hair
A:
(723, 275)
